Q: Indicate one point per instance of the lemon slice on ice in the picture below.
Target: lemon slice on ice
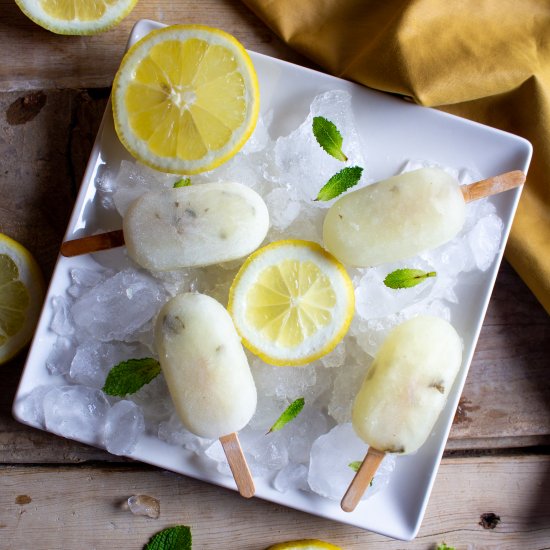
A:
(185, 98)
(291, 302)
(21, 297)
(76, 16)
(304, 544)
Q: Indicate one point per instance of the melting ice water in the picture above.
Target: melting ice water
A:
(108, 312)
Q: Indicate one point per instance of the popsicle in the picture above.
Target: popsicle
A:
(207, 374)
(403, 393)
(188, 226)
(404, 215)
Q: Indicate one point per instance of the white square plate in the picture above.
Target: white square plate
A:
(392, 131)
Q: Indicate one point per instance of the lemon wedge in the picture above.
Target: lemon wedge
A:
(304, 544)
(76, 16)
(21, 297)
(185, 98)
(291, 302)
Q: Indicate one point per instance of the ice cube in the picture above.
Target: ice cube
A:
(83, 279)
(299, 161)
(60, 357)
(283, 209)
(155, 401)
(119, 306)
(124, 425)
(292, 476)
(93, 361)
(173, 432)
(30, 407)
(330, 472)
(62, 322)
(484, 240)
(76, 412)
(144, 505)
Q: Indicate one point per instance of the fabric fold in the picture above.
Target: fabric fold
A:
(485, 60)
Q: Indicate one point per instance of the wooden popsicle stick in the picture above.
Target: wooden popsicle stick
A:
(93, 243)
(492, 186)
(237, 463)
(362, 479)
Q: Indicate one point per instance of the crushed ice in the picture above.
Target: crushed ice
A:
(108, 313)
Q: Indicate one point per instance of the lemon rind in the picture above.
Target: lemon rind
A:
(337, 336)
(80, 28)
(173, 164)
(31, 275)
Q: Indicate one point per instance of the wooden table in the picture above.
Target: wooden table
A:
(58, 494)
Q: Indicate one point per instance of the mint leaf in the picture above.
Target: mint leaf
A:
(340, 182)
(443, 546)
(328, 137)
(290, 413)
(171, 538)
(129, 376)
(355, 465)
(407, 278)
(183, 182)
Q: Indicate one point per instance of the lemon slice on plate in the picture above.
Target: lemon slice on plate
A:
(76, 16)
(304, 544)
(21, 296)
(291, 302)
(185, 98)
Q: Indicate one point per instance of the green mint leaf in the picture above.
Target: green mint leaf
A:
(183, 182)
(340, 182)
(407, 278)
(171, 538)
(129, 376)
(328, 137)
(443, 546)
(290, 413)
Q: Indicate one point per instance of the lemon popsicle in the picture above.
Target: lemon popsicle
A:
(401, 216)
(207, 374)
(403, 393)
(188, 226)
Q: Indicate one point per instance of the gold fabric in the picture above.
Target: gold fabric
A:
(486, 60)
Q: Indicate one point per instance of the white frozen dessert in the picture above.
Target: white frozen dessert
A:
(205, 367)
(195, 225)
(407, 385)
(395, 218)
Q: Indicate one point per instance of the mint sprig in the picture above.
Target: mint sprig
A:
(340, 182)
(129, 376)
(328, 137)
(183, 182)
(355, 465)
(443, 546)
(171, 538)
(290, 413)
(407, 278)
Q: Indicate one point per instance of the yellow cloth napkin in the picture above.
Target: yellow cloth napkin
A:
(486, 60)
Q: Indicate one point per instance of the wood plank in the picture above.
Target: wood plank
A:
(40, 59)
(506, 399)
(75, 507)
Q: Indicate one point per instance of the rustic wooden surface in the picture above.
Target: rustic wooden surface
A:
(55, 493)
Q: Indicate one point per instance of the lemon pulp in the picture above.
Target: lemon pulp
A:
(76, 16)
(21, 296)
(185, 98)
(291, 302)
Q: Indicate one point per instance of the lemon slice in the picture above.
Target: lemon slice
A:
(291, 302)
(21, 296)
(185, 98)
(76, 16)
(304, 544)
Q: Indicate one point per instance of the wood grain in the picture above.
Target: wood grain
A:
(62, 506)
(39, 59)
(237, 462)
(492, 186)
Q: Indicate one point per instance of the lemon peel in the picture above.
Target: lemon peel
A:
(76, 17)
(291, 302)
(21, 296)
(185, 98)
